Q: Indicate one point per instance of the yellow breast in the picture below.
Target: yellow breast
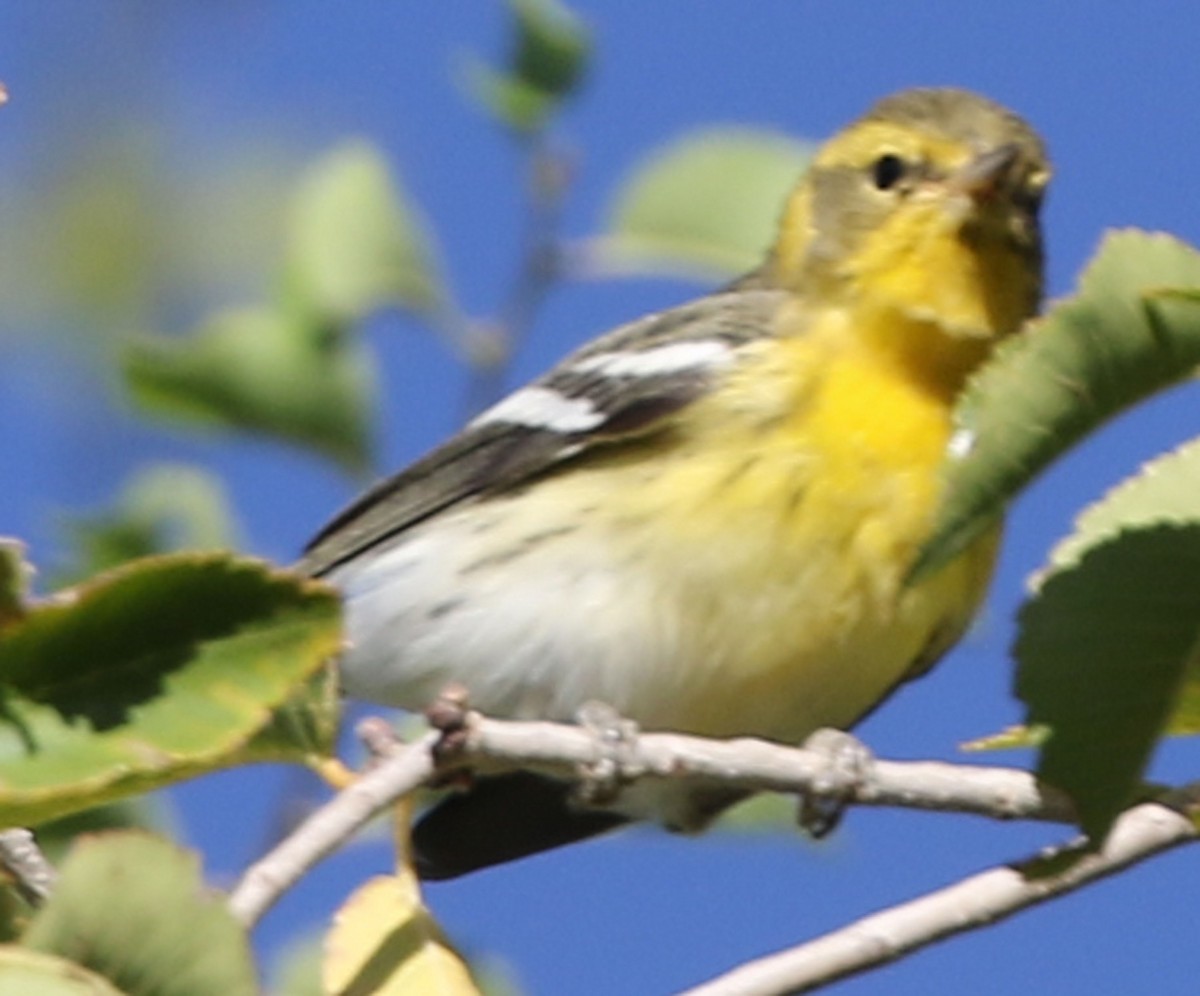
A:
(777, 533)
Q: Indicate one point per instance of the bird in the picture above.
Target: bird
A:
(706, 519)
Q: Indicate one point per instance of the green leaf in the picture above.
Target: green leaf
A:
(357, 243)
(15, 914)
(26, 973)
(278, 374)
(15, 574)
(133, 909)
(765, 812)
(163, 507)
(512, 102)
(1010, 738)
(1103, 650)
(1133, 328)
(549, 56)
(552, 46)
(1164, 491)
(305, 726)
(707, 203)
(158, 671)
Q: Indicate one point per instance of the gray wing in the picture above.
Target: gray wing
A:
(623, 385)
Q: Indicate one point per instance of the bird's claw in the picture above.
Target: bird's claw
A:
(848, 762)
(601, 780)
(450, 714)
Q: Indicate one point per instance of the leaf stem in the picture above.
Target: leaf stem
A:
(548, 177)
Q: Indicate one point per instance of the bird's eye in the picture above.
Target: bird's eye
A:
(888, 170)
(1028, 198)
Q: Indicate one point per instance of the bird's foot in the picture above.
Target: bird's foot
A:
(848, 764)
(450, 714)
(602, 779)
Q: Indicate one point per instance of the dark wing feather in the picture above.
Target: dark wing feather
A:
(489, 457)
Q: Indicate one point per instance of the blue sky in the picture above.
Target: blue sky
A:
(1113, 87)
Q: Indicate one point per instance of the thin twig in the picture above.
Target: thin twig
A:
(974, 902)
(546, 186)
(331, 826)
(33, 874)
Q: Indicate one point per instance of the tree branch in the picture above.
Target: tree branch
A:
(761, 766)
(582, 754)
(982, 899)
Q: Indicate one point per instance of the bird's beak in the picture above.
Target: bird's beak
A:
(987, 173)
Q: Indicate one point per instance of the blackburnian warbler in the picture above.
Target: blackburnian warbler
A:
(705, 518)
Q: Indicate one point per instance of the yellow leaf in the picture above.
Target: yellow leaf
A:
(384, 942)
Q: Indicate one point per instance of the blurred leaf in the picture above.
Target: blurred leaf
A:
(267, 372)
(384, 941)
(15, 575)
(100, 542)
(766, 812)
(357, 243)
(1127, 333)
(297, 971)
(31, 973)
(495, 978)
(98, 240)
(133, 909)
(549, 56)
(119, 224)
(514, 103)
(15, 913)
(151, 813)
(552, 46)
(709, 202)
(164, 507)
(1010, 738)
(1103, 649)
(158, 671)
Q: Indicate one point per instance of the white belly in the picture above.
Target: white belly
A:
(537, 616)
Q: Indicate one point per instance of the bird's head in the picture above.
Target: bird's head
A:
(927, 205)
